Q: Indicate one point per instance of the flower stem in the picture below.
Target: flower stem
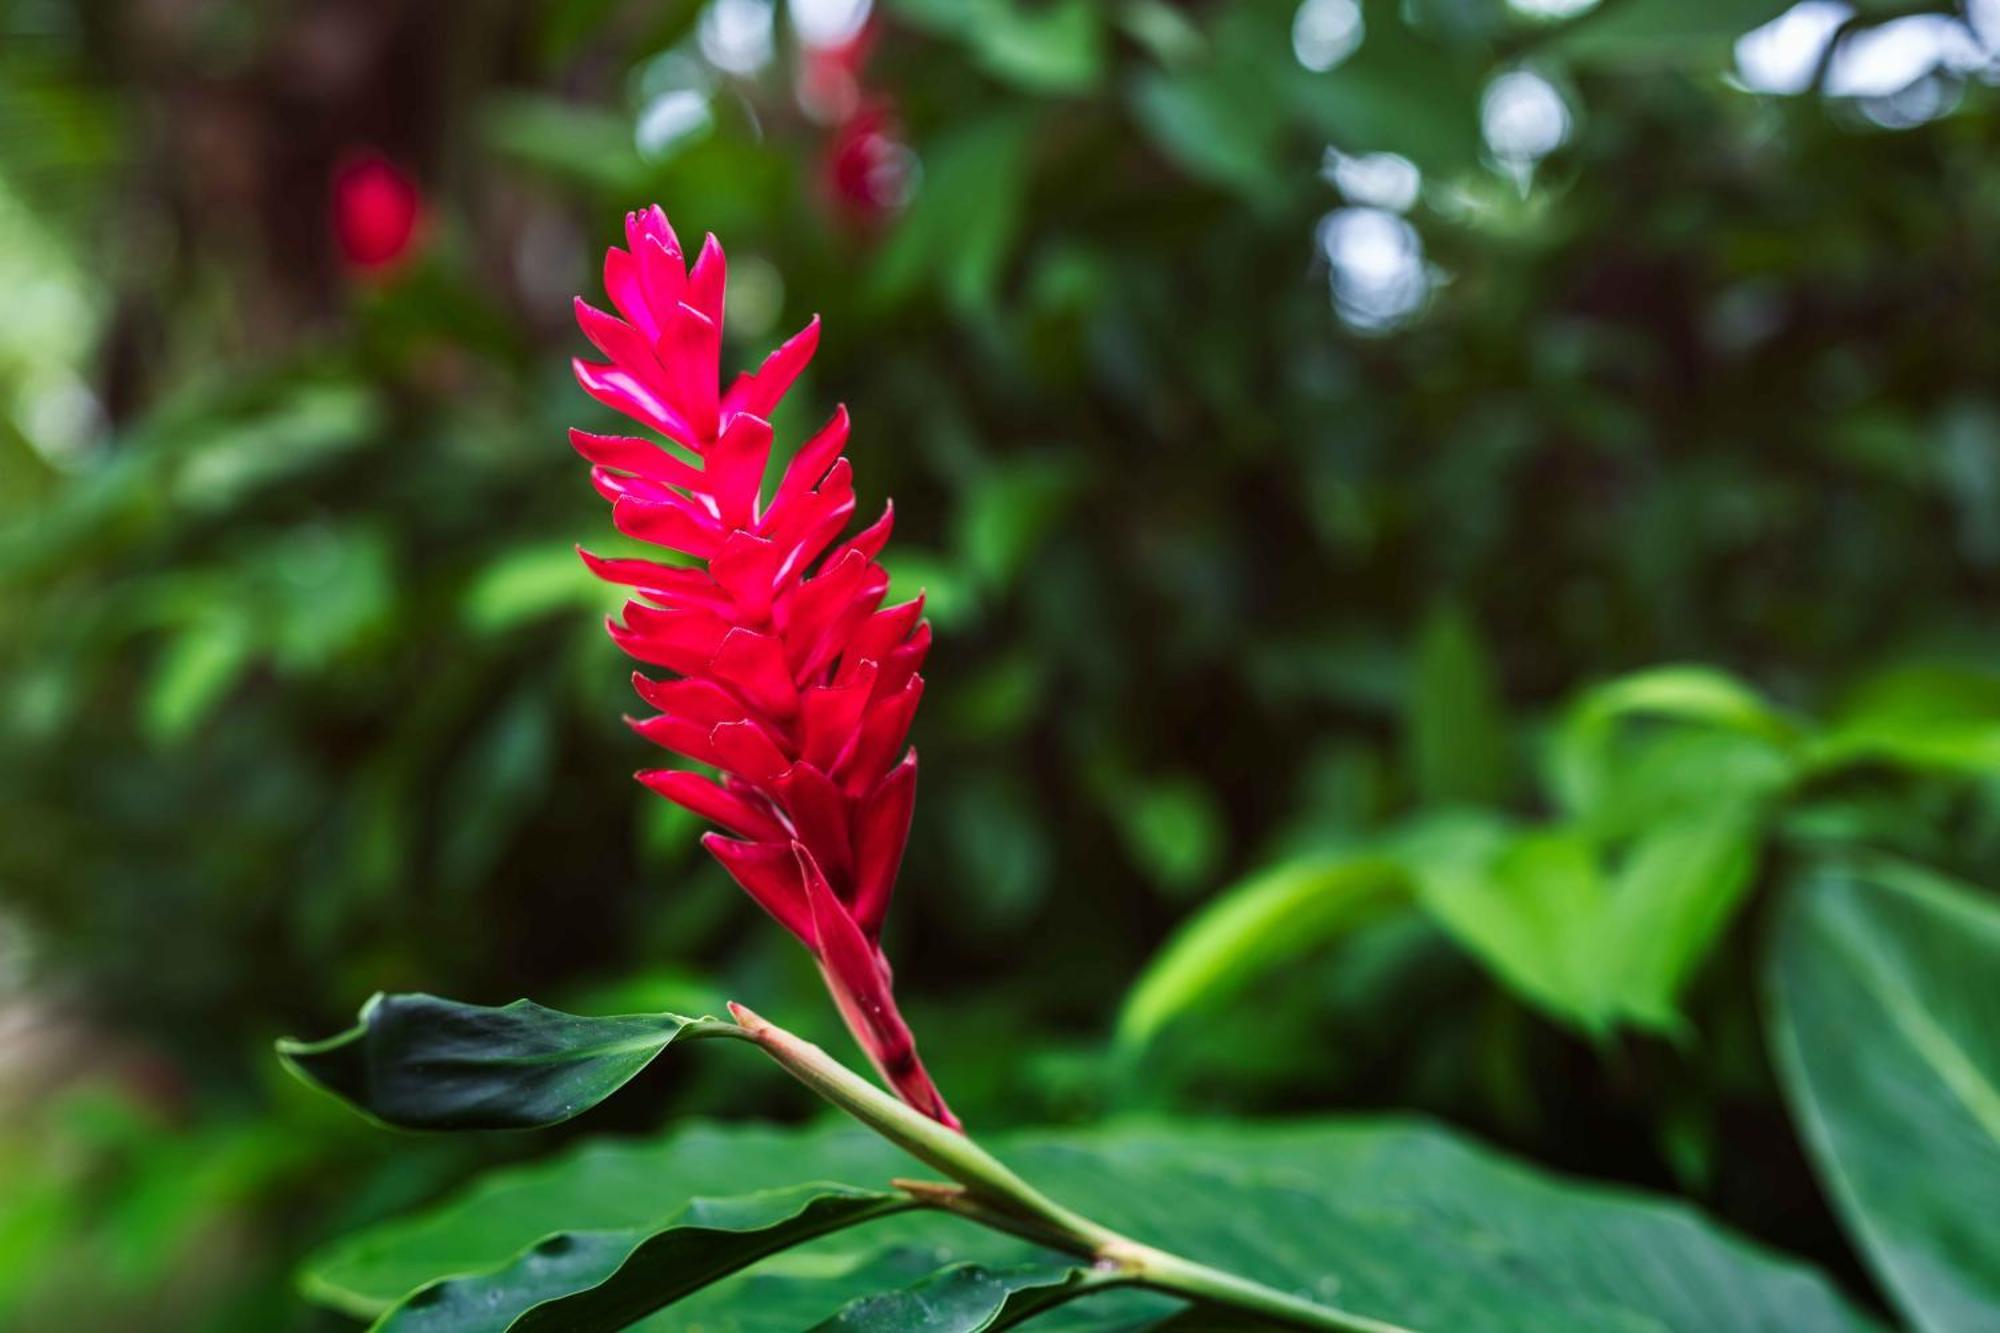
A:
(989, 1193)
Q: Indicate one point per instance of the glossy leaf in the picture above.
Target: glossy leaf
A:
(1252, 927)
(585, 1280)
(966, 1298)
(419, 1062)
(1885, 1021)
(1351, 1212)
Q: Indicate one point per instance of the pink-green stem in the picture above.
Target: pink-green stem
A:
(988, 1192)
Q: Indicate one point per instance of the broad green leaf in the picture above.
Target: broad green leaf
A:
(1364, 1214)
(574, 1281)
(1455, 732)
(1252, 927)
(967, 1298)
(1885, 1021)
(419, 1062)
(1582, 754)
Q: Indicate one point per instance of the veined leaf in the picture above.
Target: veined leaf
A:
(1353, 1213)
(1885, 1020)
(419, 1062)
(581, 1281)
(1252, 927)
(967, 1298)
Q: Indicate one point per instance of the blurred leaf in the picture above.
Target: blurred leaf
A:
(1001, 847)
(1254, 927)
(493, 786)
(1529, 911)
(1922, 716)
(1010, 510)
(529, 582)
(1173, 827)
(588, 145)
(958, 232)
(1590, 945)
(304, 425)
(1582, 760)
(1694, 32)
(197, 669)
(1203, 120)
(1352, 1211)
(1399, 92)
(1455, 729)
(1674, 892)
(585, 1281)
(1885, 1023)
(951, 595)
(419, 1062)
(1048, 47)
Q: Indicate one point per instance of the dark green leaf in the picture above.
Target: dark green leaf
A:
(1356, 1213)
(966, 1298)
(419, 1062)
(576, 1281)
(1886, 1027)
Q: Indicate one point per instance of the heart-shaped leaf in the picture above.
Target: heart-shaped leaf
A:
(419, 1062)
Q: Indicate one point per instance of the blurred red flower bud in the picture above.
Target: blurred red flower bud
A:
(869, 169)
(377, 209)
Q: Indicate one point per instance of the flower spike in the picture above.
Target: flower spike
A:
(789, 676)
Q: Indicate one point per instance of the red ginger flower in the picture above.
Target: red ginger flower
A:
(792, 679)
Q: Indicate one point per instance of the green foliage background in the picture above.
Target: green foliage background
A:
(303, 694)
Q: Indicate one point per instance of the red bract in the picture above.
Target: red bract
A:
(789, 675)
